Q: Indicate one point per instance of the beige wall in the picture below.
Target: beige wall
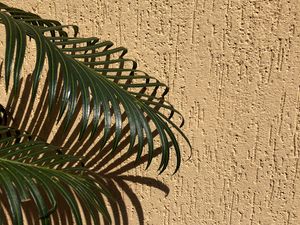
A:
(233, 69)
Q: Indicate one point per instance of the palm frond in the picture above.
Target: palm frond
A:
(89, 71)
(31, 169)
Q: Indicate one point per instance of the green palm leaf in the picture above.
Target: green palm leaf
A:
(33, 169)
(89, 70)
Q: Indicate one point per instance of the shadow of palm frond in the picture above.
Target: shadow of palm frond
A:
(111, 167)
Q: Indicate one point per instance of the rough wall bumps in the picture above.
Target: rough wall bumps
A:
(234, 71)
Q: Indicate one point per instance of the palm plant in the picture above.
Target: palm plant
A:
(113, 99)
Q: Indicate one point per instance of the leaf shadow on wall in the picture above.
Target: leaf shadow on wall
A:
(110, 167)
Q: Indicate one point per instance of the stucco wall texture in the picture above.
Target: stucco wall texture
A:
(233, 68)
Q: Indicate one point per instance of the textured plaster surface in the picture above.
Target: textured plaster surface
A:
(233, 70)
